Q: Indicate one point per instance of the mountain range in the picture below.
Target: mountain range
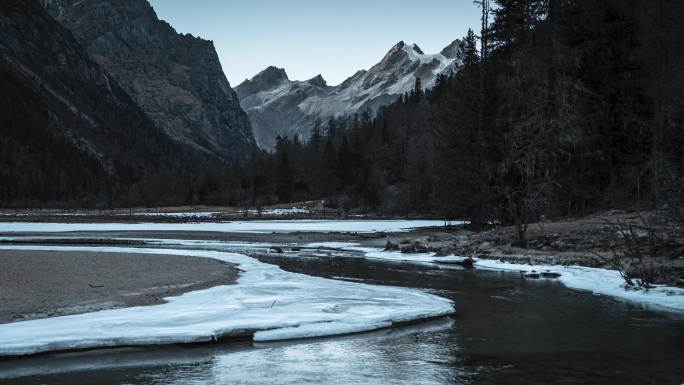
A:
(277, 105)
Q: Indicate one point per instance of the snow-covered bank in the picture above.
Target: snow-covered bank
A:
(360, 226)
(273, 303)
(600, 282)
(209, 214)
(278, 212)
(595, 280)
(189, 214)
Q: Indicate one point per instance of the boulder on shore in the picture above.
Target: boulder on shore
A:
(468, 263)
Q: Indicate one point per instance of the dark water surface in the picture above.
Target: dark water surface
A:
(506, 331)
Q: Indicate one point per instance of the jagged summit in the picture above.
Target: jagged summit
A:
(396, 49)
(283, 107)
(272, 73)
(403, 47)
(267, 79)
(318, 81)
(453, 50)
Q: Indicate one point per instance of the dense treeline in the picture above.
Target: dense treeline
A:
(562, 107)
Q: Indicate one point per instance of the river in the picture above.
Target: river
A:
(506, 330)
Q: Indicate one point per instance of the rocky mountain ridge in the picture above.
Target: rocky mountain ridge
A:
(176, 79)
(277, 105)
(69, 132)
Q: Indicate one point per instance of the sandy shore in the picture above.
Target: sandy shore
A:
(41, 284)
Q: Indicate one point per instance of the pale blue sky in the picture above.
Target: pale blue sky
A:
(308, 37)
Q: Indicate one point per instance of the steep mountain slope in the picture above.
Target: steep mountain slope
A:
(176, 79)
(279, 106)
(67, 131)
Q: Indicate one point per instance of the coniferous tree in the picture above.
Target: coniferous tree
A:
(470, 54)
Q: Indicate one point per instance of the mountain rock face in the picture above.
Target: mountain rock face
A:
(67, 131)
(176, 79)
(279, 106)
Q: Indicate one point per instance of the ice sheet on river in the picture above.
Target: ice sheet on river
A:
(595, 280)
(601, 282)
(275, 303)
(361, 226)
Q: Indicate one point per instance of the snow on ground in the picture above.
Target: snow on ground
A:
(276, 303)
(361, 226)
(209, 214)
(190, 214)
(279, 212)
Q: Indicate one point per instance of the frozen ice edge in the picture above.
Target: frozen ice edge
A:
(600, 282)
(271, 303)
(255, 226)
(595, 280)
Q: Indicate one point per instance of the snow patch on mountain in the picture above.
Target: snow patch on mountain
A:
(279, 106)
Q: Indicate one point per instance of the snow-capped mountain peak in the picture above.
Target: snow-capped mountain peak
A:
(416, 49)
(453, 50)
(265, 80)
(279, 106)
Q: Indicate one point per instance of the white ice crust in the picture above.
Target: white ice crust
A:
(361, 226)
(594, 280)
(276, 304)
(601, 282)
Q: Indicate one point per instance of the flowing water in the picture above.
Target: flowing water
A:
(506, 331)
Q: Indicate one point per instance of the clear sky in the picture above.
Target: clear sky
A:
(311, 37)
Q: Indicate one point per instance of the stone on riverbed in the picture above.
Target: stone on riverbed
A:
(536, 275)
(415, 248)
(390, 246)
(531, 275)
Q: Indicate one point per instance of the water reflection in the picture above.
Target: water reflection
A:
(384, 357)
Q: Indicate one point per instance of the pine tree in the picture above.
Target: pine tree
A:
(470, 55)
